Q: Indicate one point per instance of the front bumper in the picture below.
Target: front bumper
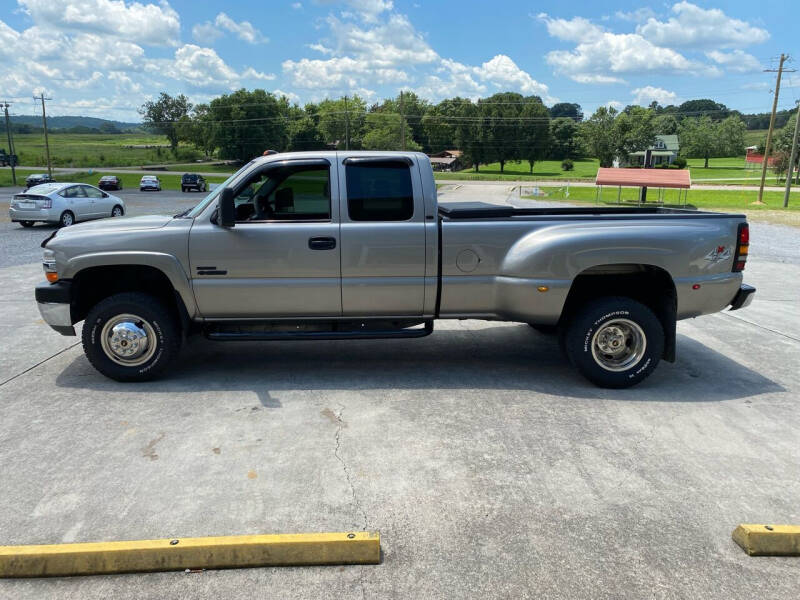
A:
(743, 297)
(54, 301)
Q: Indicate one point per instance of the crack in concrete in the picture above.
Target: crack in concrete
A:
(340, 424)
(40, 363)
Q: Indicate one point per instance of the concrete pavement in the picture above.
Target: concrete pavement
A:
(489, 467)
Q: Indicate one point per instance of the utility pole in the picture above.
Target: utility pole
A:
(768, 147)
(46, 142)
(346, 126)
(10, 145)
(402, 124)
(791, 160)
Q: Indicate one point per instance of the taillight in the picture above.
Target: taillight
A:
(742, 247)
(45, 203)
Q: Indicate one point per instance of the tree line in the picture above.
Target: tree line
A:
(501, 128)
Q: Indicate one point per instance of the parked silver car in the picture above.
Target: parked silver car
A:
(149, 182)
(63, 204)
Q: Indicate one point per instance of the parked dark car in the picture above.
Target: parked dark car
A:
(110, 182)
(38, 179)
(193, 181)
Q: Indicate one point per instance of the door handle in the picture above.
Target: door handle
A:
(322, 243)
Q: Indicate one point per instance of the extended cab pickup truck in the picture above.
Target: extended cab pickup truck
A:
(334, 245)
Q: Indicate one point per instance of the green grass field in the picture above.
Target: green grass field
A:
(129, 180)
(585, 168)
(97, 150)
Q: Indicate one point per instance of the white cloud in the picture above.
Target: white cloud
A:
(637, 16)
(696, 27)
(393, 42)
(615, 104)
(738, 61)
(208, 32)
(601, 56)
(297, 6)
(368, 10)
(290, 95)
(645, 95)
(576, 29)
(151, 24)
(251, 73)
(504, 73)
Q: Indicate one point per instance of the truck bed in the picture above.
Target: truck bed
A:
(483, 210)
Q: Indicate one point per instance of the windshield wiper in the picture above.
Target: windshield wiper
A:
(183, 214)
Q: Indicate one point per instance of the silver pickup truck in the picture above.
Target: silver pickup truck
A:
(333, 245)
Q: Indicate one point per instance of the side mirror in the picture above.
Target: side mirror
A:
(227, 210)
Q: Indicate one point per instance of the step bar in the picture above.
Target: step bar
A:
(346, 334)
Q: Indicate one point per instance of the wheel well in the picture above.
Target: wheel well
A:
(94, 284)
(650, 285)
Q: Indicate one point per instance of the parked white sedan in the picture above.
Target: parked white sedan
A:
(63, 204)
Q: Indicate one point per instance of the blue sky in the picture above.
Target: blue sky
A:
(106, 57)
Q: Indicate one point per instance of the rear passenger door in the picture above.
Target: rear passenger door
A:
(382, 237)
(77, 202)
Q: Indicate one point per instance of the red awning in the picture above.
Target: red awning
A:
(657, 178)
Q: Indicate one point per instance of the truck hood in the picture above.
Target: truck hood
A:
(115, 224)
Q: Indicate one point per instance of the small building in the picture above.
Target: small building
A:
(446, 160)
(660, 179)
(663, 151)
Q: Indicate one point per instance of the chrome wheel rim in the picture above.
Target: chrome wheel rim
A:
(66, 220)
(128, 340)
(117, 212)
(618, 345)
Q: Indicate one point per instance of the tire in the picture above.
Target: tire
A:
(614, 342)
(545, 329)
(117, 211)
(148, 317)
(66, 219)
(27, 223)
(183, 190)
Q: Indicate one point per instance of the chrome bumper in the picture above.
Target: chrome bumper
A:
(743, 297)
(54, 302)
(58, 316)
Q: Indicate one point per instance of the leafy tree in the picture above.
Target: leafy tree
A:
(248, 123)
(383, 132)
(704, 107)
(665, 125)
(534, 130)
(163, 116)
(564, 138)
(342, 121)
(702, 138)
(439, 124)
(199, 129)
(109, 127)
(566, 109)
(600, 135)
(634, 130)
(501, 126)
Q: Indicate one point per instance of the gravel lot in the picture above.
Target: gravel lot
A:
(489, 467)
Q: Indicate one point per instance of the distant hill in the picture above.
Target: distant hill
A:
(72, 122)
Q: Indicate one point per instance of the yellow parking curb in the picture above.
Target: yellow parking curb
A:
(768, 540)
(226, 552)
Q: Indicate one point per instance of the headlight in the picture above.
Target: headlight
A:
(49, 265)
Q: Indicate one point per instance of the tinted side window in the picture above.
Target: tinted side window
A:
(289, 194)
(379, 191)
(91, 192)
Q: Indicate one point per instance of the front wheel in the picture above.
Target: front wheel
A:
(614, 342)
(131, 337)
(117, 211)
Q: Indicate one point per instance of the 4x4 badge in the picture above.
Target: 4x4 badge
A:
(719, 253)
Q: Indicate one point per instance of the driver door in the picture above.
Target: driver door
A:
(282, 258)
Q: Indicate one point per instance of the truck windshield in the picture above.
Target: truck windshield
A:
(212, 195)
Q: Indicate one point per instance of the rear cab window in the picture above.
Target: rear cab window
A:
(379, 190)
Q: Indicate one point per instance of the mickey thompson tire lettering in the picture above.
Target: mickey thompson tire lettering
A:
(586, 327)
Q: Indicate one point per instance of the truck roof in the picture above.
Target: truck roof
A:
(334, 155)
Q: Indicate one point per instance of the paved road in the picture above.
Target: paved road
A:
(489, 467)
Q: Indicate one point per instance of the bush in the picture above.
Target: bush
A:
(679, 162)
(567, 165)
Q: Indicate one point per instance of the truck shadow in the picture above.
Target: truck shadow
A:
(504, 357)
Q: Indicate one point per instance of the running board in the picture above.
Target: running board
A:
(359, 334)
